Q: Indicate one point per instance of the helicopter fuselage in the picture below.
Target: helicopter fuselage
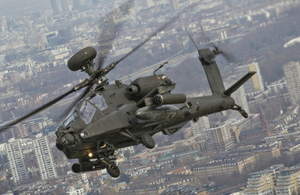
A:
(120, 122)
(114, 116)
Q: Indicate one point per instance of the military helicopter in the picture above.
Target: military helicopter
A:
(107, 117)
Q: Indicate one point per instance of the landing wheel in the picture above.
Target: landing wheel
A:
(113, 170)
(148, 141)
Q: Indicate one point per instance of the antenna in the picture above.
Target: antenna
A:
(166, 62)
(192, 40)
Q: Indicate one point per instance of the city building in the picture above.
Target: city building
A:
(287, 180)
(256, 81)
(76, 5)
(263, 182)
(228, 165)
(17, 161)
(44, 157)
(64, 5)
(281, 136)
(219, 138)
(240, 99)
(54, 7)
(277, 87)
(200, 125)
(77, 189)
(174, 4)
(292, 76)
(252, 133)
(130, 149)
(147, 3)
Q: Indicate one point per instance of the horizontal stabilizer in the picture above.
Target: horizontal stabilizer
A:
(239, 83)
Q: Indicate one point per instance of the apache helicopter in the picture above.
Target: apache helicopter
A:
(107, 117)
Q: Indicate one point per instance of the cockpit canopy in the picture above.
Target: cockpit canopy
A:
(86, 109)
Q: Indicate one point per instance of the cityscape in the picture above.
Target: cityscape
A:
(222, 153)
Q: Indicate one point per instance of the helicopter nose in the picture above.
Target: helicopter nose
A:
(59, 146)
(65, 140)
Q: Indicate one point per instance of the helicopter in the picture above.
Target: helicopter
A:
(109, 116)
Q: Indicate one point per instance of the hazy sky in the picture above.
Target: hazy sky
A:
(16, 7)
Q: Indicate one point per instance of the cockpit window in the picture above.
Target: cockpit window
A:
(70, 118)
(99, 102)
(87, 112)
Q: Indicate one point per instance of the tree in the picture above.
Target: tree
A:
(220, 179)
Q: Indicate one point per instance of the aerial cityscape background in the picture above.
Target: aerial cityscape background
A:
(218, 154)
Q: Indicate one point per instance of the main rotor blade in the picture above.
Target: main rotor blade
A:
(110, 25)
(158, 30)
(36, 111)
(74, 102)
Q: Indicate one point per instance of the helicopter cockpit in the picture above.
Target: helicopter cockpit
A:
(86, 109)
(80, 116)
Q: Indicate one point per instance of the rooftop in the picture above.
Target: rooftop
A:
(252, 132)
(271, 169)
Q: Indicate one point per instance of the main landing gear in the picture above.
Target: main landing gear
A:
(148, 141)
(105, 160)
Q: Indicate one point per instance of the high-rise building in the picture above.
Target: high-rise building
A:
(199, 126)
(256, 82)
(17, 161)
(95, 2)
(147, 3)
(287, 180)
(54, 7)
(263, 182)
(219, 138)
(240, 99)
(292, 76)
(76, 4)
(44, 157)
(64, 5)
(174, 4)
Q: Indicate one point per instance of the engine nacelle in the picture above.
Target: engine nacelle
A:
(142, 86)
(132, 90)
(81, 58)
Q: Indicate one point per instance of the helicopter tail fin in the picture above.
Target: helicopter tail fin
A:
(212, 73)
(207, 59)
(239, 83)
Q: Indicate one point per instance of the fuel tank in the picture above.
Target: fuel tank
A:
(153, 113)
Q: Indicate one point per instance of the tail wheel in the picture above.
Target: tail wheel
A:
(76, 168)
(244, 114)
(113, 170)
(148, 141)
